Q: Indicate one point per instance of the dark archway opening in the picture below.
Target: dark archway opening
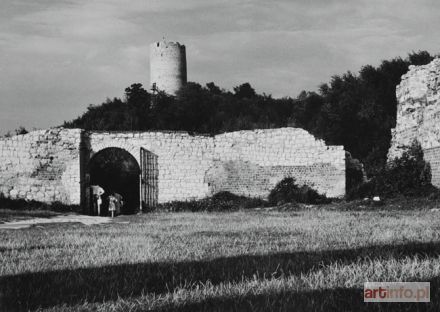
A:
(116, 170)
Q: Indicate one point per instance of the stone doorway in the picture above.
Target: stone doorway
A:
(116, 170)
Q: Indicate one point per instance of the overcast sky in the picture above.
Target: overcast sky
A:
(59, 56)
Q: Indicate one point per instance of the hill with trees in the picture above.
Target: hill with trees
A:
(354, 110)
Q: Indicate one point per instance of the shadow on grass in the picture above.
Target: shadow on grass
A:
(45, 289)
(341, 299)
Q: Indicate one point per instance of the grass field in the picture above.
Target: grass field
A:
(314, 259)
(7, 215)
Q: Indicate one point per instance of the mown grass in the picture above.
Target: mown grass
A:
(7, 215)
(310, 259)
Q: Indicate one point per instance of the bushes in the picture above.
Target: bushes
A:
(285, 191)
(288, 191)
(354, 173)
(179, 206)
(222, 201)
(408, 175)
(21, 204)
(229, 201)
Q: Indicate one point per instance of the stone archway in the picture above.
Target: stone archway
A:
(116, 170)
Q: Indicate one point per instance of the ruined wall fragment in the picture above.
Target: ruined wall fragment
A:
(42, 165)
(418, 115)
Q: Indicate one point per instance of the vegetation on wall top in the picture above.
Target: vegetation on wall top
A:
(353, 110)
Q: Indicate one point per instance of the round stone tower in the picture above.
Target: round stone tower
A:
(167, 66)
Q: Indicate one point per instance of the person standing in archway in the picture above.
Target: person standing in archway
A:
(97, 192)
(119, 203)
(115, 204)
(112, 205)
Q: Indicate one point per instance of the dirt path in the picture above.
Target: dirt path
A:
(86, 220)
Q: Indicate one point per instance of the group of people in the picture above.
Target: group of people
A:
(114, 201)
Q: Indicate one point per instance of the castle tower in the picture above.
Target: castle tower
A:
(167, 66)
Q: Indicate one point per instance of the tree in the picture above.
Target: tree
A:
(213, 88)
(138, 102)
(244, 91)
(357, 111)
(420, 58)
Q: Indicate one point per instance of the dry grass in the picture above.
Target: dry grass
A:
(313, 259)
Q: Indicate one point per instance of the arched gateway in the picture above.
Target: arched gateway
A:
(117, 171)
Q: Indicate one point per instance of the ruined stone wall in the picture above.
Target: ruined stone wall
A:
(50, 165)
(182, 159)
(245, 162)
(252, 162)
(418, 114)
(42, 165)
(432, 155)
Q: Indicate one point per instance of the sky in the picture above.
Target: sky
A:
(59, 56)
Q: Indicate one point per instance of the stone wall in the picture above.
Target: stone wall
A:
(418, 114)
(42, 165)
(252, 162)
(244, 162)
(50, 165)
(182, 158)
(432, 155)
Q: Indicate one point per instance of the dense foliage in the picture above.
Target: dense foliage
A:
(407, 175)
(287, 191)
(222, 201)
(356, 111)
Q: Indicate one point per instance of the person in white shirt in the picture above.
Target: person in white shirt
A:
(97, 192)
